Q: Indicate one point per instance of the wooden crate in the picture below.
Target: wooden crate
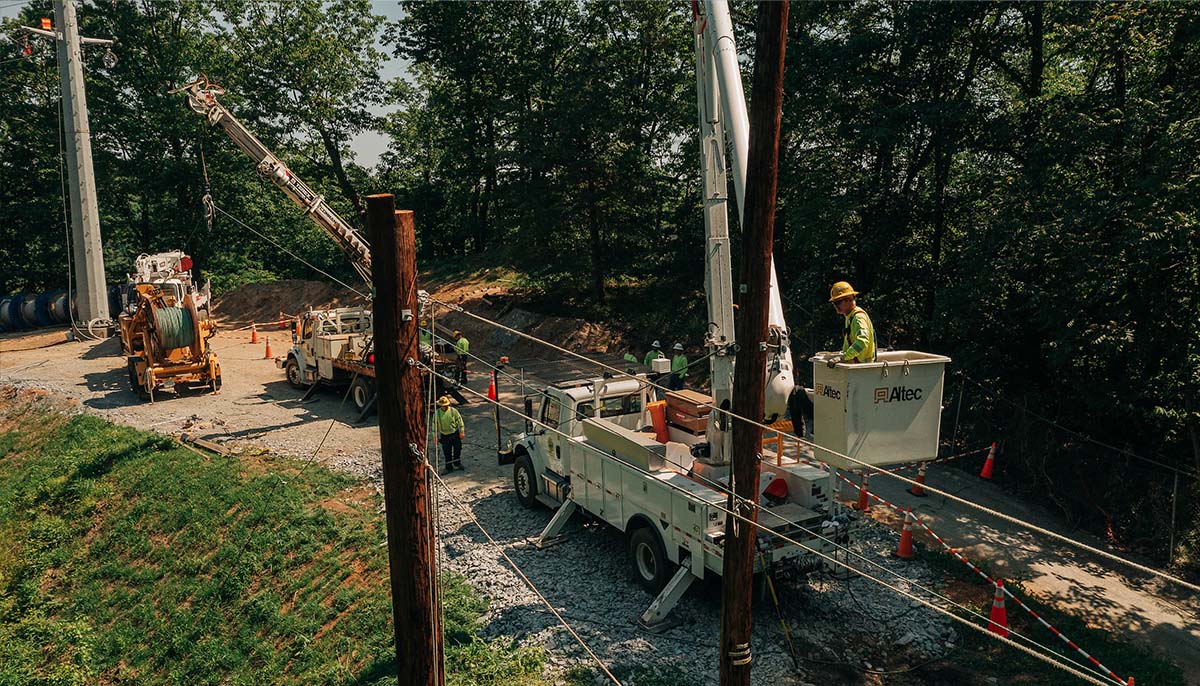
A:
(686, 421)
(688, 402)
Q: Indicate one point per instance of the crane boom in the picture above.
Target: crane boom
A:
(202, 98)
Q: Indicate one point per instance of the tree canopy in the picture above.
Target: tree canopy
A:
(1011, 184)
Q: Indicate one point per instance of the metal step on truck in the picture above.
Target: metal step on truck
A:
(593, 446)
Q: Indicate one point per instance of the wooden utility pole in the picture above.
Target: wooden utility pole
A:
(410, 535)
(758, 234)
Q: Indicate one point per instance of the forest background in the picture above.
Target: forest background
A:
(1014, 185)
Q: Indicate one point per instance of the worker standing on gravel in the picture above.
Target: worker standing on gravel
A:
(858, 334)
(451, 432)
(654, 353)
(463, 347)
(679, 365)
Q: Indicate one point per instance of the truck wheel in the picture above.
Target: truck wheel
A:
(292, 371)
(525, 481)
(135, 383)
(361, 390)
(651, 568)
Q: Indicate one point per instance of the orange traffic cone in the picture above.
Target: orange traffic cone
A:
(296, 328)
(918, 488)
(282, 321)
(864, 500)
(492, 388)
(253, 335)
(905, 551)
(986, 472)
(267, 354)
(1130, 682)
(998, 619)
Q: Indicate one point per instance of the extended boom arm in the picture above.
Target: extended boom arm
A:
(202, 98)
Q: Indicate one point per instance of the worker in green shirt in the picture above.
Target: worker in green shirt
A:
(858, 334)
(426, 336)
(654, 353)
(451, 432)
(679, 365)
(463, 348)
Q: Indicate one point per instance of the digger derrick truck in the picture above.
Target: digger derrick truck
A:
(331, 346)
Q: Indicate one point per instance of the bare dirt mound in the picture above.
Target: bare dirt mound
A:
(262, 302)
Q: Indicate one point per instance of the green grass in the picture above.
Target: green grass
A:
(985, 655)
(127, 559)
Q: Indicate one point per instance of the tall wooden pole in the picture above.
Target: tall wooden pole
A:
(410, 534)
(758, 234)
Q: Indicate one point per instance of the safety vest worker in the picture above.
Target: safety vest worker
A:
(426, 336)
(858, 333)
(679, 365)
(451, 431)
(461, 346)
(655, 353)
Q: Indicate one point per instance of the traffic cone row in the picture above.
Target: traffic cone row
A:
(905, 550)
(864, 499)
(918, 488)
(253, 335)
(986, 472)
(998, 619)
(267, 353)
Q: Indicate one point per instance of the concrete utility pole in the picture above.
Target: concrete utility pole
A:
(759, 234)
(91, 300)
(410, 535)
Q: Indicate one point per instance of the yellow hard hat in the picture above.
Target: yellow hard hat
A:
(841, 289)
(444, 401)
(424, 323)
(457, 332)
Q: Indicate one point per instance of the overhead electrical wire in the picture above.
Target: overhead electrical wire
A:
(1075, 668)
(982, 508)
(500, 549)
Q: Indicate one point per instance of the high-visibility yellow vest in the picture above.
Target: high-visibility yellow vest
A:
(858, 337)
(652, 356)
(679, 363)
(463, 346)
(449, 421)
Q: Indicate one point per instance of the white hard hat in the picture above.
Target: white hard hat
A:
(655, 344)
(678, 346)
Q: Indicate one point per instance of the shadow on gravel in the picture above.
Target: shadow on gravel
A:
(109, 347)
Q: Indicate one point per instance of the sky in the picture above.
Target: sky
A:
(368, 146)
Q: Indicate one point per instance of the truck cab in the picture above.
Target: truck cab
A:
(324, 339)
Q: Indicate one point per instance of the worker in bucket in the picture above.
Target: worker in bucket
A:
(679, 365)
(858, 335)
(653, 354)
(463, 348)
(451, 432)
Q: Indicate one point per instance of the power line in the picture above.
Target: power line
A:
(1082, 436)
(770, 532)
(500, 549)
(853, 460)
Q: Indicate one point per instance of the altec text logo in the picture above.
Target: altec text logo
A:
(827, 391)
(898, 394)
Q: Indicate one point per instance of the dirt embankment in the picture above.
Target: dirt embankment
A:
(262, 303)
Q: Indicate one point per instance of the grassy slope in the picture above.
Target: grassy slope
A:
(125, 558)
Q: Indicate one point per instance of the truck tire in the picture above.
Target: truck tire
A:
(292, 371)
(135, 383)
(361, 390)
(525, 481)
(648, 558)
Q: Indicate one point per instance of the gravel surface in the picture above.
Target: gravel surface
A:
(856, 624)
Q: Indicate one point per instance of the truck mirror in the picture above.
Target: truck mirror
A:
(529, 415)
